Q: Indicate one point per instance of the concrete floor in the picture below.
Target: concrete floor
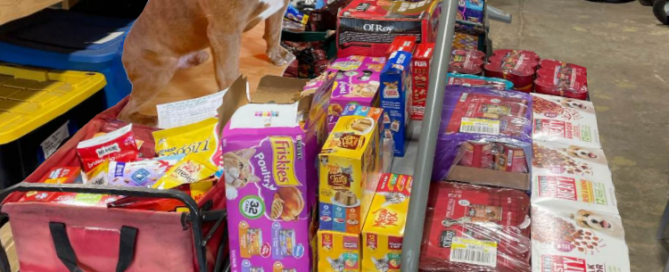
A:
(626, 52)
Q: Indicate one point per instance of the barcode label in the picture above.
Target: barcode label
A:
(473, 251)
(478, 125)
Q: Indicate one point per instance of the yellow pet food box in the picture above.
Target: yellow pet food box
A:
(384, 227)
(338, 251)
(349, 169)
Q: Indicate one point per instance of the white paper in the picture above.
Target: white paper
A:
(111, 36)
(265, 115)
(50, 145)
(190, 111)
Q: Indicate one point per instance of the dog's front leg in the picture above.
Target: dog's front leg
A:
(273, 24)
(225, 47)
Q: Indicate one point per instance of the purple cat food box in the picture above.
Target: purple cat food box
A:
(357, 80)
(270, 147)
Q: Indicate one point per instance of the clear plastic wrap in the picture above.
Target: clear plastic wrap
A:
(473, 228)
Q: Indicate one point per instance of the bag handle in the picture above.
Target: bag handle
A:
(66, 254)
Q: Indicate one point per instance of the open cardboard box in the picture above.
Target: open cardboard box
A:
(489, 177)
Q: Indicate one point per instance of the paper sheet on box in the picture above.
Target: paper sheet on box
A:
(190, 111)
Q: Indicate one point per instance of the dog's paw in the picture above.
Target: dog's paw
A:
(280, 56)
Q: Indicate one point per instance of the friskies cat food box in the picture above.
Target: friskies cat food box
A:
(270, 146)
(338, 251)
(349, 166)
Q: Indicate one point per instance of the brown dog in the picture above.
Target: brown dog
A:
(172, 34)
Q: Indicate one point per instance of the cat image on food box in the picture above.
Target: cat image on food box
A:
(337, 264)
(381, 265)
(238, 171)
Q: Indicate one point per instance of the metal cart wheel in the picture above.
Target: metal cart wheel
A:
(661, 11)
(646, 2)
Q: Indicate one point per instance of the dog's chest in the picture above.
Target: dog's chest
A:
(272, 7)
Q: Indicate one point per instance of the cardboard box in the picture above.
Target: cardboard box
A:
(396, 99)
(368, 27)
(402, 43)
(420, 70)
(469, 36)
(357, 81)
(269, 149)
(471, 11)
(349, 167)
(338, 251)
(62, 175)
(384, 227)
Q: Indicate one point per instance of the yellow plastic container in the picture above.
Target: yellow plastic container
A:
(39, 109)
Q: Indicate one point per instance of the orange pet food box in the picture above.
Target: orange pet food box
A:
(384, 227)
(349, 168)
(338, 251)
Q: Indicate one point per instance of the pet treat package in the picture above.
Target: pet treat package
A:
(562, 79)
(118, 145)
(75, 199)
(270, 148)
(140, 173)
(357, 80)
(557, 158)
(63, 175)
(479, 81)
(469, 36)
(199, 138)
(564, 120)
(466, 62)
(396, 99)
(471, 10)
(402, 43)
(189, 170)
(349, 167)
(339, 252)
(518, 66)
(384, 227)
(420, 70)
(368, 27)
(571, 238)
(591, 193)
(473, 228)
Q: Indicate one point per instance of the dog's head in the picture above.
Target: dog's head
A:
(591, 155)
(577, 105)
(594, 221)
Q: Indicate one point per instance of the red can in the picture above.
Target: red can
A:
(562, 79)
(479, 155)
(517, 66)
(511, 159)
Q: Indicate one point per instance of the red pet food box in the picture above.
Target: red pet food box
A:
(518, 66)
(562, 79)
(421, 77)
(368, 27)
(466, 62)
(402, 43)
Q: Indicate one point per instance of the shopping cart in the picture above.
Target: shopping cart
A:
(57, 237)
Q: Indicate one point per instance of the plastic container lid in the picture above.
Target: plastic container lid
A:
(31, 97)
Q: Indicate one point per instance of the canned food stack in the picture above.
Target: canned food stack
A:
(467, 62)
(555, 77)
(517, 66)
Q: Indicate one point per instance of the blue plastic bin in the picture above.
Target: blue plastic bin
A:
(68, 40)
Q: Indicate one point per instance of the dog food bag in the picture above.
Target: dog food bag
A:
(199, 138)
(420, 70)
(118, 145)
(591, 193)
(558, 158)
(396, 99)
(270, 178)
(140, 173)
(368, 27)
(357, 81)
(479, 81)
(572, 238)
(518, 66)
(470, 10)
(63, 175)
(564, 120)
(466, 62)
(473, 228)
(384, 227)
(349, 167)
(339, 252)
(562, 79)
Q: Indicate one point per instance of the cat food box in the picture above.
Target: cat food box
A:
(572, 238)
(349, 169)
(338, 251)
(469, 36)
(62, 175)
(357, 80)
(368, 27)
(562, 79)
(591, 193)
(470, 10)
(517, 66)
(270, 145)
(384, 227)
(396, 99)
(402, 43)
(558, 158)
(420, 69)
(564, 120)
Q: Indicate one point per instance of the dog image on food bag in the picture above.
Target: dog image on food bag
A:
(588, 154)
(578, 105)
(599, 222)
(173, 34)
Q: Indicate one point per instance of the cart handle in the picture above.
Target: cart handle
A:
(195, 214)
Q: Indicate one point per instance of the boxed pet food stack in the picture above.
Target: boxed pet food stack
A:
(562, 79)
(469, 36)
(270, 146)
(518, 66)
(402, 43)
(564, 120)
(384, 228)
(471, 11)
(420, 70)
(357, 80)
(339, 251)
(349, 167)
(396, 99)
(368, 27)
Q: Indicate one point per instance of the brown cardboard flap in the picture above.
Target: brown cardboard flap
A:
(490, 177)
(232, 100)
(278, 90)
